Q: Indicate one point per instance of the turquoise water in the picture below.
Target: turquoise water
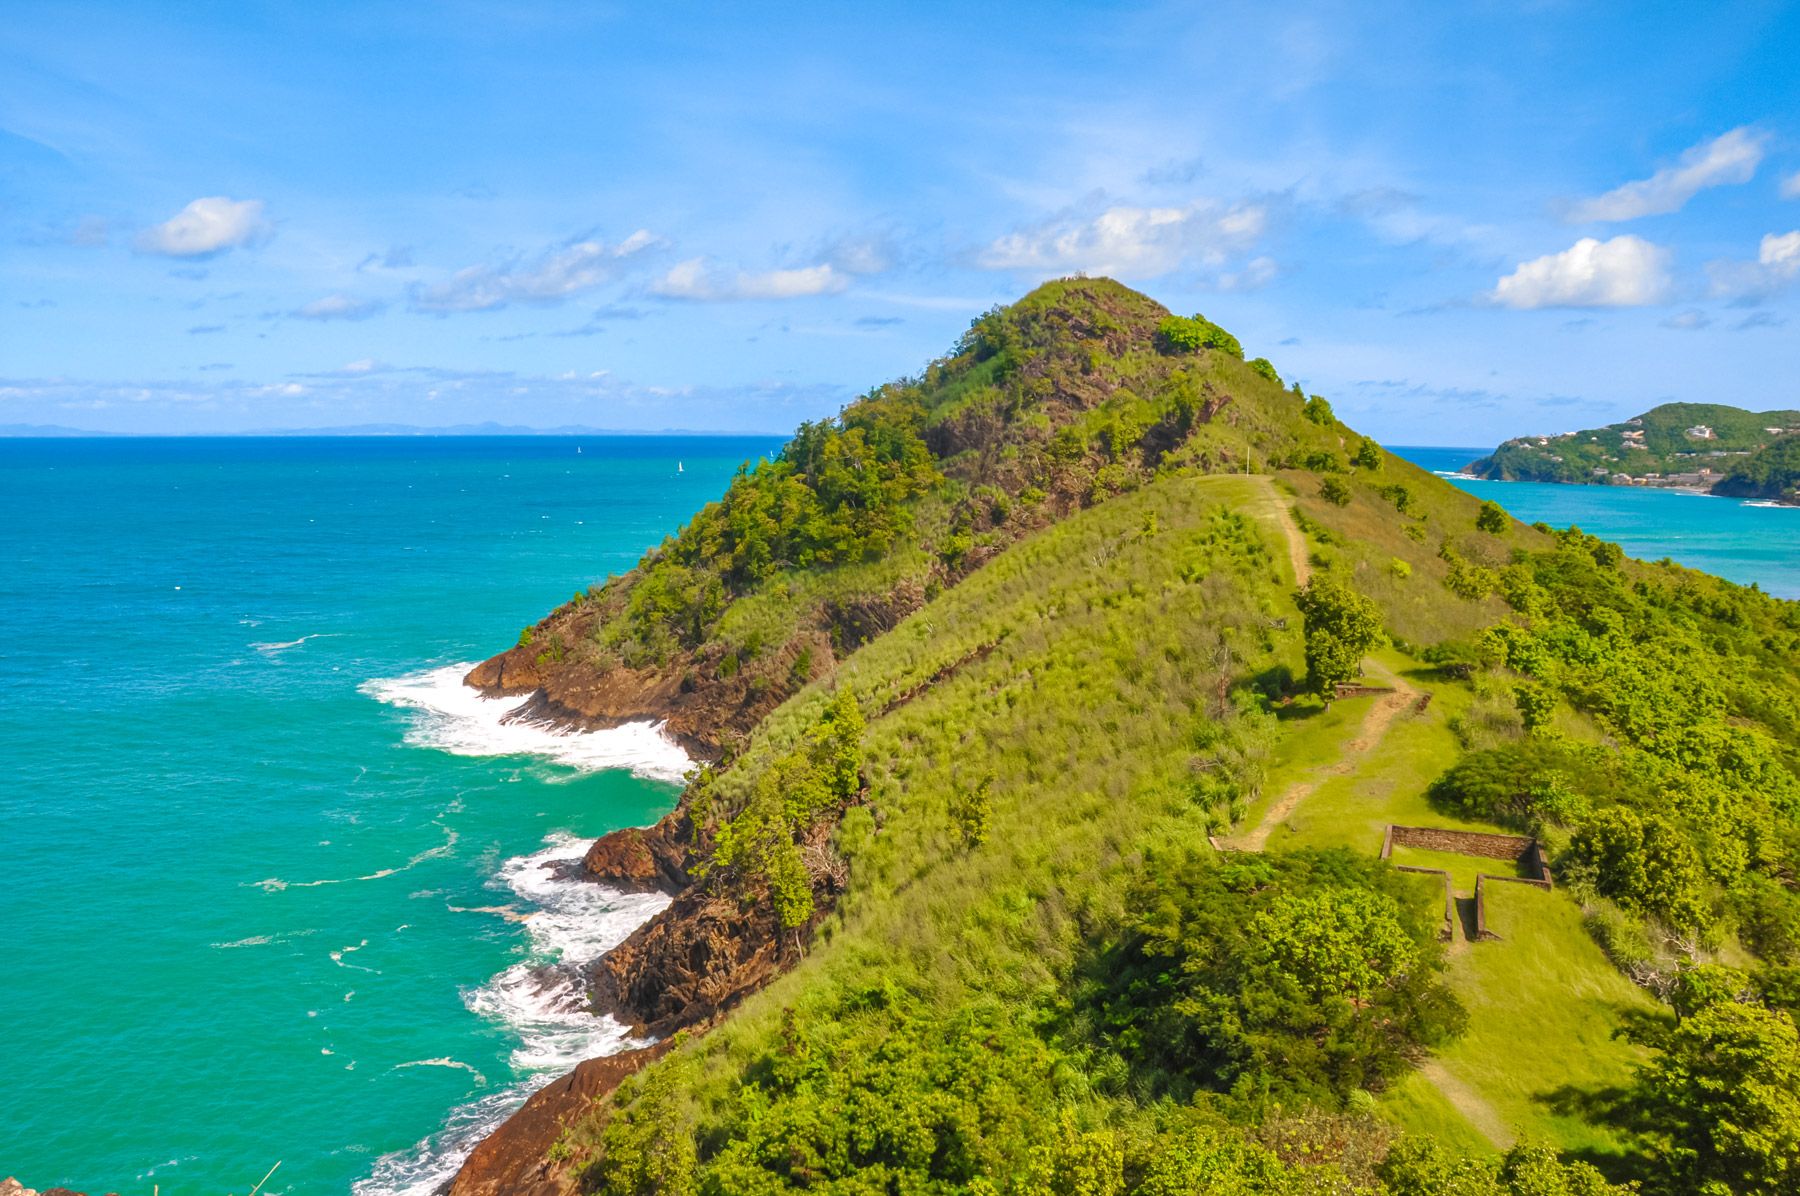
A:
(265, 860)
(1724, 536)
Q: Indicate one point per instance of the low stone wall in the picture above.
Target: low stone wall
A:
(1523, 850)
(1433, 838)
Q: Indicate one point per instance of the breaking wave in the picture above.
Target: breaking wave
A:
(541, 999)
(452, 717)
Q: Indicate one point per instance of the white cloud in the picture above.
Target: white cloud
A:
(695, 280)
(1257, 273)
(206, 226)
(1790, 186)
(553, 276)
(1777, 264)
(1130, 242)
(339, 307)
(1729, 158)
(1623, 272)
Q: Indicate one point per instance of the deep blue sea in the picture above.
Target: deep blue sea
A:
(277, 885)
(1741, 541)
(279, 889)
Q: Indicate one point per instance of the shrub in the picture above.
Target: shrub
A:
(1368, 454)
(1335, 492)
(1319, 411)
(1264, 367)
(1400, 570)
(1491, 518)
(1192, 334)
(1642, 861)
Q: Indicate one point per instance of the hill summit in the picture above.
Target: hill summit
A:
(1123, 778)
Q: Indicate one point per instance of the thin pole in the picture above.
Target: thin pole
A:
(264, 1179)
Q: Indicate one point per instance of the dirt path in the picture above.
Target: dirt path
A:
(1258, 838)
(1379, 717)
(1376, 721)
(1275, 507)
(1483, 1116)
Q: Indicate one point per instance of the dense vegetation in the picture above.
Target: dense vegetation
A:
(1772, 472)
(1658, 441)
(1037, 967)
(1080, 392)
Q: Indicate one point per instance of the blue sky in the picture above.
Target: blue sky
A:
(1459, 222)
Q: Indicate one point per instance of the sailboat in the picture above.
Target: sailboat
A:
(677, 467)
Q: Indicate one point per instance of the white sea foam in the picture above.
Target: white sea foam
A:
(270, 648)
(541, 999)
(454, 718)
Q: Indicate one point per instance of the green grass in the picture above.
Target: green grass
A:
(1462, 868)
(1543, 1003)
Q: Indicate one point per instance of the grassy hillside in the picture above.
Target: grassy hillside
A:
(1660, 441)
(1081, 391)
(1075, 871)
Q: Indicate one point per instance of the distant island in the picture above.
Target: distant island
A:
(1706, 447)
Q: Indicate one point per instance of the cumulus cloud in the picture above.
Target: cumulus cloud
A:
(1130, 242)
(205, 227)
(1623, 272)
(1790, 186)
(551, 277)
(339, 307)
(1777, 265)
(1729, 158)
(697, 280)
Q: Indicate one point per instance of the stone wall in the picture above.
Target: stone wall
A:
(1433, 838)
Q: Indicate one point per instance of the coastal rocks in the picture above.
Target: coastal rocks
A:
(515, 1160)
(691, 962)
(643, 859)
(12, 1187)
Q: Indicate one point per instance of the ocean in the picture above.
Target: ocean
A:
(279, 889)
(277, 886)
(1749, 543)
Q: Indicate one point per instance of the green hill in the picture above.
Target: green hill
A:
(1697, 443)
(1771, 473)
(1040, 853)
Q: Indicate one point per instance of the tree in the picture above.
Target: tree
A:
(1719, 1105)
(1342, 626)
(1368, 454)
(1318, 411)
(1266, 368)
(1309, 974)
(1335, 492)
(1643, 861)
(1491, 518)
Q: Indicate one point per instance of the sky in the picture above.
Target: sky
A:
(1459, 222)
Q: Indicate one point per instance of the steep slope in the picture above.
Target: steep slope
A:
(1076, 393)
(952, 917)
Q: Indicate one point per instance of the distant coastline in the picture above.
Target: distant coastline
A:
(58, 432)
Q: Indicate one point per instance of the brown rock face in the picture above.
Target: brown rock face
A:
(514, 1159)
(692, 961)
(643, 859)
